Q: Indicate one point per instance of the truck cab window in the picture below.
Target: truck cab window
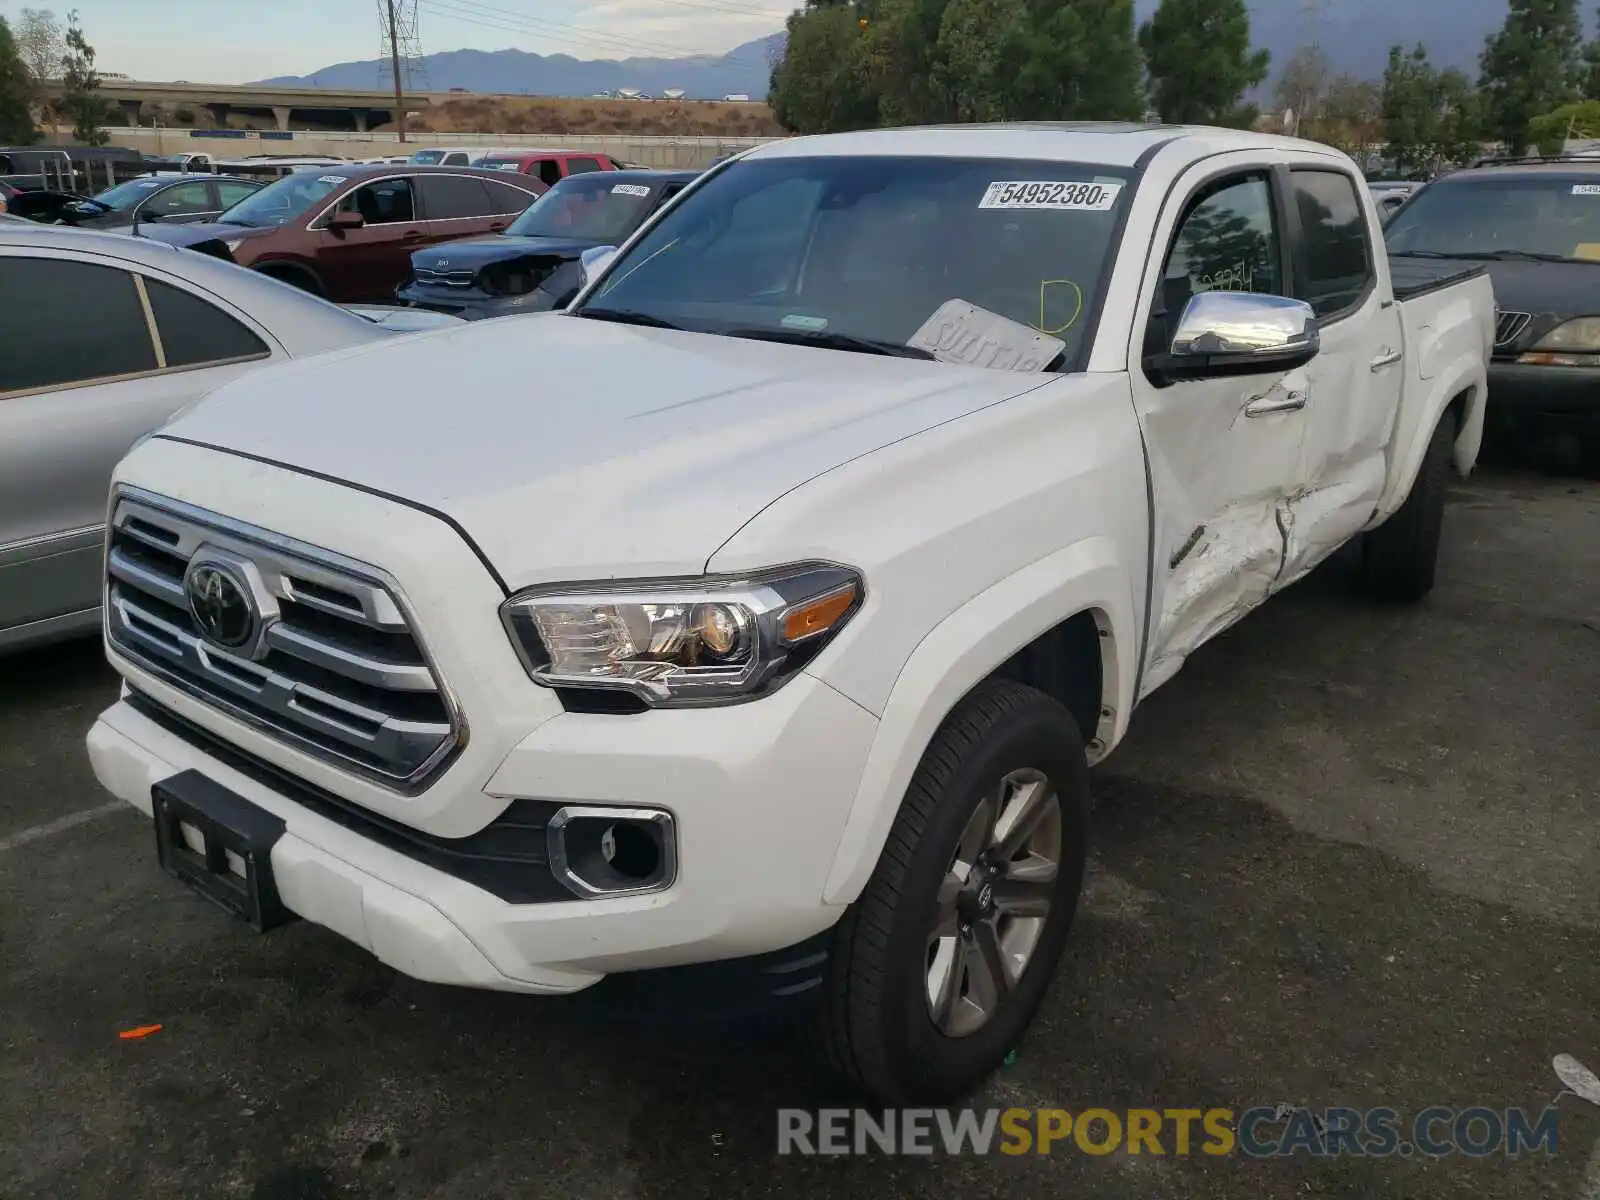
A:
(1227, 242)
(1335, 250)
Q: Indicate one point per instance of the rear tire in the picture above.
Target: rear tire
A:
(1399, 558)
(906, 1014)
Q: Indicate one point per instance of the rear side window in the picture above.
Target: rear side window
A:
(195, 332)
(580, 166)
(508, 199)
(387, 202)
(80, 323)
(452, 197)
(1335, 251)
(548, 170)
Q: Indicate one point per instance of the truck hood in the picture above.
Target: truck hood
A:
(572, 449)
(477, 253)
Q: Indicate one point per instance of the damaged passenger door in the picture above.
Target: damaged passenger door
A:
(1224, 452)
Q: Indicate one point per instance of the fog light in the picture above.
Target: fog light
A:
(604, 851)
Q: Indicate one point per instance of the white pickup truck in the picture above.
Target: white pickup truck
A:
(755, 621)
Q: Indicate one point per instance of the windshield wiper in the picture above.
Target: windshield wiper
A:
(1493, 256)
(830, 341)
(626, 316)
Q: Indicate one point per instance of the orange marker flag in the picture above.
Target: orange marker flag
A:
(141, 1031)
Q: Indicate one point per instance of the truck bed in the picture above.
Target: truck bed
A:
(1413, 277)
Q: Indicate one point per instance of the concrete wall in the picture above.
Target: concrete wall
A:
(687, 151)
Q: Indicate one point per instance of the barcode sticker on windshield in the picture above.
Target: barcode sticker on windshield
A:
(330, 178)
(1060, 197)
(630, 189)
(1586, 189)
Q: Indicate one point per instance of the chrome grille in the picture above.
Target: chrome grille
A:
(335, 668)
(1509, 326)
(445, 278)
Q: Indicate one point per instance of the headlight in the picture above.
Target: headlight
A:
(683, 642)
(1575, 343)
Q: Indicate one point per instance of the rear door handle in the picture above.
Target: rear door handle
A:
(1387, 359)
(1275, 402)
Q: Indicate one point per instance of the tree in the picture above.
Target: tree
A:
(821, 85)
(16, 122)
(80, 87)
(1303, 85)
(1550, 131)
(1533, 65)
(1200, 62)
(1428, 115)
(980, 46)
(1352, 116)
(41, 42)
(1080, 62)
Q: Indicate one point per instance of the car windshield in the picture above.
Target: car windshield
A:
(125, 195)
(1550, 216)
(924, 257)
(428, 158)
(281, 202)
(588, 207)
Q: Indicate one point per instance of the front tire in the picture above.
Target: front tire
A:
(1400, 557)
(941, 964)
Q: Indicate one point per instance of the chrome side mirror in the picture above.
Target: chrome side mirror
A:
(1240, 333)
(593, 262)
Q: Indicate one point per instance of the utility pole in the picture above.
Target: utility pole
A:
(393, 27)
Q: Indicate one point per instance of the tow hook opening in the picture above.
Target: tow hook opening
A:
(613, 851)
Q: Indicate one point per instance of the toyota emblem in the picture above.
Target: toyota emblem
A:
(221, 604)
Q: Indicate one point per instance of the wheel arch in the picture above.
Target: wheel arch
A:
(1461, 394)
(296, 273)
(1051, 625)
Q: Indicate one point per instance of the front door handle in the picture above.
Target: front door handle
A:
(1387, 359)
(1275, 401)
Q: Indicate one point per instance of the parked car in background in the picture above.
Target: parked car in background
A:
(767, 607)
(178, 199)
(1389, 195)
(548, 166)
(105, 338)
(442, 156)
(534, 265)
(347, 232)
(1535, 223)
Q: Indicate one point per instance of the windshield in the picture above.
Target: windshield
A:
(125, 195)
(1519, 215)
(279, 203)
(587, 207)
(880, 253)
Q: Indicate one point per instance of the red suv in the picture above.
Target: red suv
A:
(550, 167)
(347, 232)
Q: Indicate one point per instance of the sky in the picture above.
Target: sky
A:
(235, 41)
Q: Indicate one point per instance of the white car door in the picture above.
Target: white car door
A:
(1341, 269)
(1224, 453)
(100, 357)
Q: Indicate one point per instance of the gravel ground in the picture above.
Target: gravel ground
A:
(1349, 856)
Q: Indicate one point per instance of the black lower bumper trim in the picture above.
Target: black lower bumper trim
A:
(508, 858)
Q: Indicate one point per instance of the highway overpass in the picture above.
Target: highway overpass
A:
(364, 109)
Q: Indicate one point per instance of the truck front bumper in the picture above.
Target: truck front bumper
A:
(759, 794)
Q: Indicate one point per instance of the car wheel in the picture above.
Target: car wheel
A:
(939, 967)
(1399, 558)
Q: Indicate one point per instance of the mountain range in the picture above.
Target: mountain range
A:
(1355, 35)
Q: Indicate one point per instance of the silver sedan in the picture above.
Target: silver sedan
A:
(102, 339)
